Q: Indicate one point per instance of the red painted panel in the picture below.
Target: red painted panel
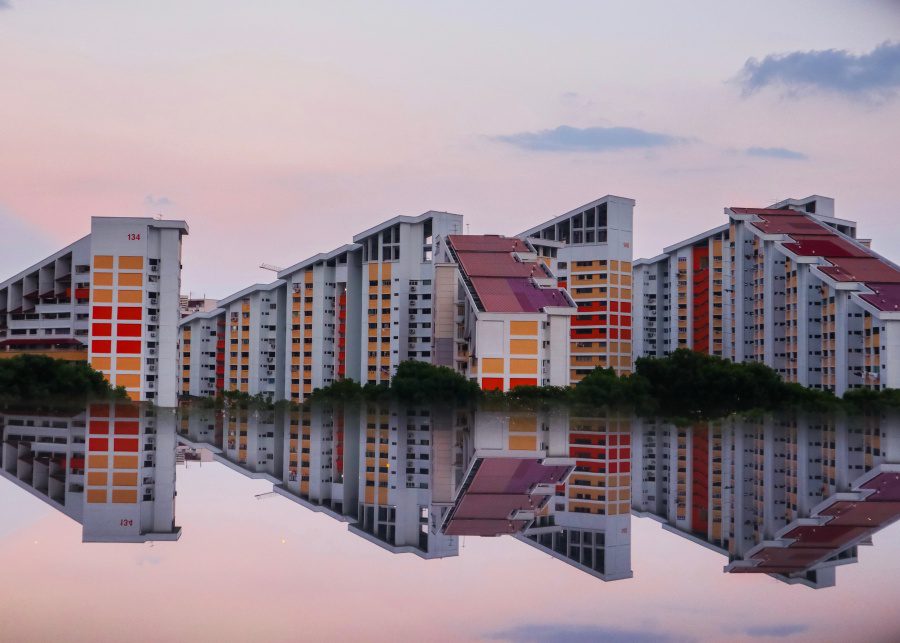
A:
(700, 325)
(626, 307)
(100, 410)
(98, 444)
(127, 444)
(101, 346)
(127, 427)
(128, 330)
(99, 427)
(625, 333)
(128, 347)
(129, 312)
(492, 383)
(522, 381)
(102, 312)
(101, 330)
(82, 293)
(128, 410)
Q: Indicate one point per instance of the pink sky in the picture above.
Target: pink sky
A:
(271, 570)
(279, 130)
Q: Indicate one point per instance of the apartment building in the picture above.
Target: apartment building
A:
(789, 286)
(202, 353)
(111, 298)
(589, 249)
(110, 468)
(397, 275)
(323, 312)
(499, 317)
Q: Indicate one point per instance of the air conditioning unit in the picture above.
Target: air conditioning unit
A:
(154, 268)
(412, 289)
(154, 318)
(412, 331)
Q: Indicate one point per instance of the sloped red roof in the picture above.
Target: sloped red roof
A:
(789, 224)
(886, 296)
(823, 246)
(502, 282)
(863, 269)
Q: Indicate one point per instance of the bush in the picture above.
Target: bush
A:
(36, 378)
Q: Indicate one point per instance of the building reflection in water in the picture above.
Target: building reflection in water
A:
(110, 468)
(793, 498)
(790, 497)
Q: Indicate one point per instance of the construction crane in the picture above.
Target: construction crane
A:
(268, 266)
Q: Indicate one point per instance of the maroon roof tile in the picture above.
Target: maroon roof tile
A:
(861, 269)
(824, 246)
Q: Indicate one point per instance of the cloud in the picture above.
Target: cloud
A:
(776, 631)
(578, 634)
(776, 153)
(155, 202)
(588, 139)
(875, 75)
(5, 4)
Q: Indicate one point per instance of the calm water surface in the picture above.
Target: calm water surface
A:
(121, 522)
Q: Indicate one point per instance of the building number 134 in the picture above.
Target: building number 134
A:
(134, 236)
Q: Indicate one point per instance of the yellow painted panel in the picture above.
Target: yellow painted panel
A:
(101, 363)
(523, 346)
(103, 261)
(131, 296)
(131, 279)
(134, 396)
(98, 461)
(492, 365)
(103, 279)
(385, 271)
(96, 496)
(522, 443)
(523, 328)
(128, 364)
(96, 478)
(523, 366)
(128, 380)
(373, 271)
(124, 496)
(125, 478)
(125, 462)
(131, 263)
(102, 295)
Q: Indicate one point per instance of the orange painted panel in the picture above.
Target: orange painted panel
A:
(523, 346)
(98, 461)
(96, 496)
(523, 366)
(131, 279)
(103, 279)
(131, 296)
(102, 295)
(100, 363)
(128, 380)
(103, 262)
(131, 262)
(125, 462)
(522, 443)
(96, 478)
(128, 364)
(124, 496)
(493, 365)
(125, 478)
(523, 328)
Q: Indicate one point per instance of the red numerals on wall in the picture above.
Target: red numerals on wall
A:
(126, 522)
(134, 237)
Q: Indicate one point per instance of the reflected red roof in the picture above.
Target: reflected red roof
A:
(503, 283)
